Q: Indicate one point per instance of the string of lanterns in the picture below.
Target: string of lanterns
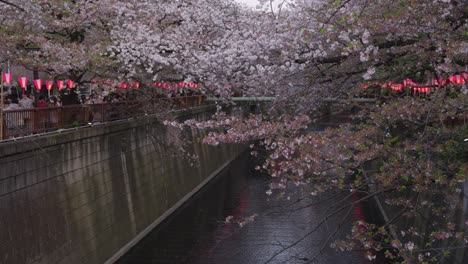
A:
(459, 79)
(38, 83)
(417, 87)
(23, 82)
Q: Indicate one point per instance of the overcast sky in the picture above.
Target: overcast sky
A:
(254, 3)
(251, 3)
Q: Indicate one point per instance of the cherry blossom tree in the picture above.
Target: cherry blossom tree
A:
(407, 152)
(415, 146)
(59, 37)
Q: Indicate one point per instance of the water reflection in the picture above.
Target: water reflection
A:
(197, 233)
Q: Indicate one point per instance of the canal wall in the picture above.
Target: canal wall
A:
(87, 195)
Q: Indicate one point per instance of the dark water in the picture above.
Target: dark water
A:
(197, 233)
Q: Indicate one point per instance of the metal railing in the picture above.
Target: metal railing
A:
(23, 122)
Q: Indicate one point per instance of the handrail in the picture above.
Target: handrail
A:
(244, 99)
(23, 122)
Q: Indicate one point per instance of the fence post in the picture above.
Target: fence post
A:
(1, 110)
(86, 113)
(60, 117)
(35, 120)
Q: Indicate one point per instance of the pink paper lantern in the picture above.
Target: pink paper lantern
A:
(60, 84)
(49, 85)
(23, 82)
(38, 84)
(459, 79)
(7, 78)
(70, 83)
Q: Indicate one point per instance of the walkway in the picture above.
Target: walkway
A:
(23, 122)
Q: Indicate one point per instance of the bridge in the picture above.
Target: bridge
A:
(271, 99)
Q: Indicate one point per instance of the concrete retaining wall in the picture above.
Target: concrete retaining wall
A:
(80, 196)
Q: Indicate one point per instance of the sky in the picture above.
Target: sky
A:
(254, 3)
(251, 3)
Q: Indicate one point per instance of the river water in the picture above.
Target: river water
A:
(263, 229)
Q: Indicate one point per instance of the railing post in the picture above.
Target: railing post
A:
(86, 113)
(1, 110)
(1, 120)
(34, 120)
(60, 117)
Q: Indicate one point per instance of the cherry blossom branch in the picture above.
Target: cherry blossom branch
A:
(324, 219)
(11, 4)
(337, 228)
